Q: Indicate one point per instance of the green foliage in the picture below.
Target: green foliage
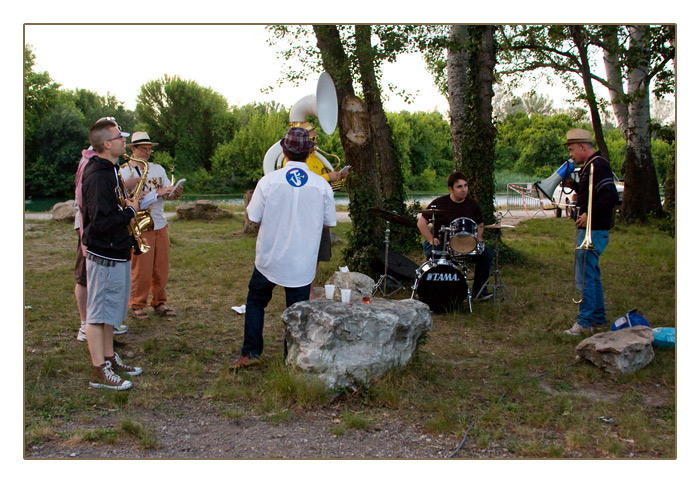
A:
(184, 117)
(238, 163)
(423, 145)
(532, 144)
(57, 123)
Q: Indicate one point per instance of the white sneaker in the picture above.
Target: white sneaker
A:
(121, 329)
(578, 329)
(81, 332)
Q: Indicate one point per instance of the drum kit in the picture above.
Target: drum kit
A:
(441, 281)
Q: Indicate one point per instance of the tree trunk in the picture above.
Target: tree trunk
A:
(582, 46)
(456, 86)
(641, 196)
(355, 136)
(392, 181)
(613, 72)
(477, 131)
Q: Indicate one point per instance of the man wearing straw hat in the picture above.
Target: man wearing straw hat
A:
(591, 309)
(149, 271)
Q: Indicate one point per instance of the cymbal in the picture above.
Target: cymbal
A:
(392, 216)
(431, 211)
(498, 227)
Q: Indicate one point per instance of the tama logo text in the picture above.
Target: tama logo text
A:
(443, 277)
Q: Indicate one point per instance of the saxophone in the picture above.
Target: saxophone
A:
(143, 220)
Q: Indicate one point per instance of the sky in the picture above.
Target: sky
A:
(233, 60)
(236, 67)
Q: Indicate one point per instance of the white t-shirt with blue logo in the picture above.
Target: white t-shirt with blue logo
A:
(291, 204)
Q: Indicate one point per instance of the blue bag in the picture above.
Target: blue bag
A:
(630, 319)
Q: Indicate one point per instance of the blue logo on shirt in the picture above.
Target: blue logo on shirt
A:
(297, 177)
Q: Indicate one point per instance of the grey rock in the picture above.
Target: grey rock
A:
(623, 351)
(201, 210)
(348, 345)
(355, 280)
(64, 211)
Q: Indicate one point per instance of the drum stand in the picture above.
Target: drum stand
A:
(498, 282)
(381, 283)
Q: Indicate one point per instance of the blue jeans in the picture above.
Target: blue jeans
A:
(592, 307)
(482, 265)
(259, 295)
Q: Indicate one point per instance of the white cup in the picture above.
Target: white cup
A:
(345, 295)
(330, 291)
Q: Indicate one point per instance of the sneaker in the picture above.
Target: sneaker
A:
(578, 329)
(245, 361)
(483, 296)
(121, 329)
(600, 326)
(119, 366)
(81, 332)
(104, 377)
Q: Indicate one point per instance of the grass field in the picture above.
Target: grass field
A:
(507, 366)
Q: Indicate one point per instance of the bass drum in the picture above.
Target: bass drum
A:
(441, 284)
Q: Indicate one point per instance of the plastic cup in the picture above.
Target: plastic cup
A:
(319, 292)
(345, 295)
(366, 296)
(330, 291)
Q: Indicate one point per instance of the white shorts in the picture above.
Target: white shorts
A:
(108, 292)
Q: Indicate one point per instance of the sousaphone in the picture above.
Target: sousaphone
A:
(324, 105)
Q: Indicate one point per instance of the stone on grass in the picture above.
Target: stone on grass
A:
(64, 211)
(623, 351)
(349, 345)
(201, 210)
(355, 280)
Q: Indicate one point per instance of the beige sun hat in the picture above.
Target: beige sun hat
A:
(139, 138)
(574, 136)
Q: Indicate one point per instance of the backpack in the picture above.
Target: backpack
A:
(630, 319)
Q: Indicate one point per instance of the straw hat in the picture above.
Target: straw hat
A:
(139, 138)
(578, 136)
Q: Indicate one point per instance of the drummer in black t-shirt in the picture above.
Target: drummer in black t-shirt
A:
(457, 205)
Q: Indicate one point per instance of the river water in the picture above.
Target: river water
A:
(341, 198)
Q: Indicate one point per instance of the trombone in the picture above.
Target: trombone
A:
(587, 243)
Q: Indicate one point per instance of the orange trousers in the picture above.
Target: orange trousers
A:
(149, 271)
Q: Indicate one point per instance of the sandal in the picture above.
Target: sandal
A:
(164, 311)
(139, 314)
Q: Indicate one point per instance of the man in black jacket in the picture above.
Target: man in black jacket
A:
(591, 310)
(108, 253)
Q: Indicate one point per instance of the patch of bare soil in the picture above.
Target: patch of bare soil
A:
(196, 431)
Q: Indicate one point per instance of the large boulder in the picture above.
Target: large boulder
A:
(201, 210)
(623, 351)
(64, 211)
(348, 345)
(355, 280)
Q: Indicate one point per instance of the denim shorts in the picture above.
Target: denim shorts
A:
(108, 290)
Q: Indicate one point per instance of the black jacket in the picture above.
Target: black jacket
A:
(604, 192)
(105, 231)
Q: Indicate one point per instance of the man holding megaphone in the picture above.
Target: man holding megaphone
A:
(596, 196)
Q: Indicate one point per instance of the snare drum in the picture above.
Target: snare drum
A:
(441, 284)
(463, 238)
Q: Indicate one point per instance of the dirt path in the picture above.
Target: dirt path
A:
(194, 430)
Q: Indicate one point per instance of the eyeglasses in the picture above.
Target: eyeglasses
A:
(121, 135)
(114, 120)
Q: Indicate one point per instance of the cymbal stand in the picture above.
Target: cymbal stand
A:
(498, 282)
(381, 283)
